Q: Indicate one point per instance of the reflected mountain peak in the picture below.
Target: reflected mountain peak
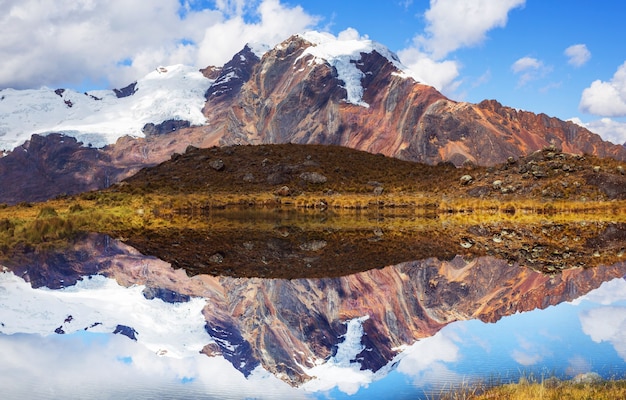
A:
(291, 327)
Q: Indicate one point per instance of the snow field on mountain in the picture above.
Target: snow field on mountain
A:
(99, 117)
(344, 54)
(99, 304)
(339, 371)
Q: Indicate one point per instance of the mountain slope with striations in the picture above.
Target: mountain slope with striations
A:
(312, 88)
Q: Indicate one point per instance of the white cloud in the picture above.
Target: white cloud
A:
(440, 74)
(607, 324)
(73, 367)
(276, 22)
(453, 24)
(578, 55)
(606, 99)
(69, 42)
(528, 353)
(425, 361)
(608, 293)
(529, 69)
(526, 63)
(609, 129)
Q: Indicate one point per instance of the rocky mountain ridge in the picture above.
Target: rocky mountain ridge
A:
(308, 89)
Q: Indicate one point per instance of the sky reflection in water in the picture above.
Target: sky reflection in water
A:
(564, 340)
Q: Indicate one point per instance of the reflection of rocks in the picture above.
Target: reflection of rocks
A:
(285, 324)
(167, 295)
(64, 267)
(278, 247)
(314, 245)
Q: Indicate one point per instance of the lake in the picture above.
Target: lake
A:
(285, 304)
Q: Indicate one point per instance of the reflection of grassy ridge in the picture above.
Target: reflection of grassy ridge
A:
(111, 211)
(546, 237)
(547, 185)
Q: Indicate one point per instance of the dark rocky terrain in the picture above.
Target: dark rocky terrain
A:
(283, 98)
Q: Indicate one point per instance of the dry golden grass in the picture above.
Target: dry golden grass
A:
(605, 390)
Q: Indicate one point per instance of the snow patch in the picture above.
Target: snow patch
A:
(341, 370)
(99, 304)
(259, 49)
(343, 53)
(99, 117)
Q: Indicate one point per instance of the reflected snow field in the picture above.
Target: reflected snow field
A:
(90, 362)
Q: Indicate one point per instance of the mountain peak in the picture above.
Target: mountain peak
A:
(345, 53)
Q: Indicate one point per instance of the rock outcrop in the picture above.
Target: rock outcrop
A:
(289, 95)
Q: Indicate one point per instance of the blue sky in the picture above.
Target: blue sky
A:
(510, 50)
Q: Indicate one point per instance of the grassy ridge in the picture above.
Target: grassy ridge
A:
(567, 196)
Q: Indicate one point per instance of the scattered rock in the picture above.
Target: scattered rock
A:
(313, 177)
(277, 178)
(313, 245)
(283, 191)
(467, 243)
(466, 179)
(248, 177)
(552, 382)
(587, 378)
(191, 149)
(217, 258)
(217, 165)
(497, 184)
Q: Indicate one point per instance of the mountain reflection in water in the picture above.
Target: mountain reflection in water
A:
(293, 244)
(344, 332)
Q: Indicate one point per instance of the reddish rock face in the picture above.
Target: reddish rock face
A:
(285, 98)
(289, 99)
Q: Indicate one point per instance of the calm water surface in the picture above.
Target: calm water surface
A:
(96, 318)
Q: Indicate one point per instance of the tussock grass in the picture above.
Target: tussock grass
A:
(531, 387)
(556, 390)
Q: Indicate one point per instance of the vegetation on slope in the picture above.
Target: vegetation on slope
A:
(331, 206)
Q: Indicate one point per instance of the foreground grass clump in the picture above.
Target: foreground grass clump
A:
(555, 390)
(588, 386)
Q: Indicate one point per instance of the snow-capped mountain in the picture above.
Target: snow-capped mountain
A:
(311, 88)
(100, 117)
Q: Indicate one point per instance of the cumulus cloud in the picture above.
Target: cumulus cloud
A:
(528, 353)
(607, 324)
(451, 25)
(70, 42)
(79, 365)
(577, 55)
(606, 99)
(425, 361)
(608, 293)
(609, 129)
(528, 69)
(440, 74)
